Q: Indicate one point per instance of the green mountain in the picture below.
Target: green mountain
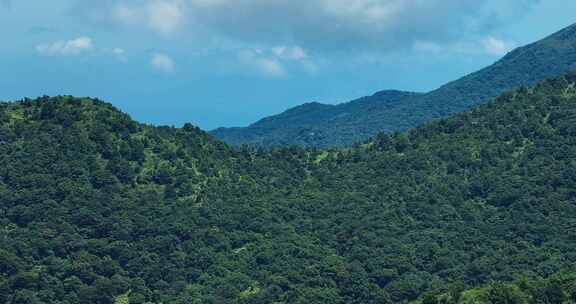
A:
(310, 125)
(345, 124)
(475, 208)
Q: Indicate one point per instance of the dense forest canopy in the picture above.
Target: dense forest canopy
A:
(479, 207)
(391, 111)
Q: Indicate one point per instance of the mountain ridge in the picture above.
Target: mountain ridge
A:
(552, 56)
(308, 115)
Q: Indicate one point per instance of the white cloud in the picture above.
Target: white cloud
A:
(276, 60)
(163, 63)
(72, 47)
(319, 25)
(290, 53)
(79, 46)
(497, 47)
(270, 67)
(262, 62)
(166, 17)
(117, 53)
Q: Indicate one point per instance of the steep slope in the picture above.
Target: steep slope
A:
(96, 207)
(552, 56)
(305, 125)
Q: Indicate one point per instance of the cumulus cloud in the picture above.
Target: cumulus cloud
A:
(118, 53)
(163, 63)
(276, 60)
(165, 17)
(262, 62)
(379, 25)
(497, 47)
(72, 47)
(79, 46)
(290, 53)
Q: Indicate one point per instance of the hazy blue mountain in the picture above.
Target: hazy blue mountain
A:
(307, 124)
(389, 111)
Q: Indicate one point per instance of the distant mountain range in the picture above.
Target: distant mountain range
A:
(321, 125)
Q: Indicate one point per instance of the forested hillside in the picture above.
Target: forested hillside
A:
(349, 123)
(479, 207)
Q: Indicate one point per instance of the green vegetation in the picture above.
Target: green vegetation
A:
(317, 125)
(558, 289)
(475, 208)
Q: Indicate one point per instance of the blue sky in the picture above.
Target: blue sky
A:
(230, 62)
